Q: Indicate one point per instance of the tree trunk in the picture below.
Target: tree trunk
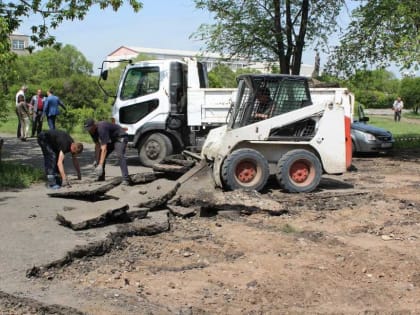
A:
(283, 60)
(300, 40)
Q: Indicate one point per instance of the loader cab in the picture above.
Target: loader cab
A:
(262, 97)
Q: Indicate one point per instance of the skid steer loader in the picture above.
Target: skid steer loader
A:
(274, 128)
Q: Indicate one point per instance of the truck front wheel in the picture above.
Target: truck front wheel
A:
(245, 169)
(154, 148)
(299, 171)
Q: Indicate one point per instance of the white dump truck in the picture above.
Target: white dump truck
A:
(166, 107)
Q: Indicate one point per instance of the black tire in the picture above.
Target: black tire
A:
(299, 171)
(245, 169)
(353, 147)
(154, 148)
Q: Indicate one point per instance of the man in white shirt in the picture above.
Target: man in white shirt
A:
(397, 108)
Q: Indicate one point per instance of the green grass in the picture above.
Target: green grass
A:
(406, 133)
(14, 175)
(78, 134)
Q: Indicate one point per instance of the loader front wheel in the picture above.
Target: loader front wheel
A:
(154, 148)
(299, 171)
(245, 169)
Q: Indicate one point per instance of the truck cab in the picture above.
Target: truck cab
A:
(151, 105)
(166, 106)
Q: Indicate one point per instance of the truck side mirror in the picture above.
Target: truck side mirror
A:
(364, 119)
(104, 75)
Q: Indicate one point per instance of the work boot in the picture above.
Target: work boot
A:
(126, 182)
(51, 182)
(100, 178)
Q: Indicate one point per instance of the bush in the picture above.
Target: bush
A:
(374, 99)
(14, 175)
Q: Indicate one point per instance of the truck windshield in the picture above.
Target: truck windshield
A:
(139, 82)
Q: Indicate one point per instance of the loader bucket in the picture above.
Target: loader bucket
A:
(197, 179)
(198, 169)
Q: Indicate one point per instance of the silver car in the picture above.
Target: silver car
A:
(369, 139)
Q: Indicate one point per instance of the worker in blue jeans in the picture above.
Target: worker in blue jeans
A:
(54, 145)
(108, 137)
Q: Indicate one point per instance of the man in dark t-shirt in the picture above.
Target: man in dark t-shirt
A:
(54, 145)
(108, 137)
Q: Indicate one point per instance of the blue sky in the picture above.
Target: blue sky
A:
(160, 24)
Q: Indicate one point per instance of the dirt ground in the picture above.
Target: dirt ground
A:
(351, 247)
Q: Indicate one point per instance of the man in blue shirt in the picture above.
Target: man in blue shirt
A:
(51, 110)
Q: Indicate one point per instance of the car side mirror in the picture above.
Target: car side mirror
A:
(104, 75)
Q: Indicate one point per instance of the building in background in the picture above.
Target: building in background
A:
(210, 59)
(19, 44)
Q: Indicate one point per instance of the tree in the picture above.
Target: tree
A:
(409, 92)
(49, 63)
(373, 89)
(268, 30)
(52, 13)
(382, 32)
(6, 65)
(221, 76)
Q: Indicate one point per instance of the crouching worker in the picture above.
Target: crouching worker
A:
(108, 137)
(54, 145)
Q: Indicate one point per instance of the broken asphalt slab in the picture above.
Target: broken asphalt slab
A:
(94, 215)
(155, 223)
(33, 235)
(94, 190)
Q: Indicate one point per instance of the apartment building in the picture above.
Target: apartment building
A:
(19, 43)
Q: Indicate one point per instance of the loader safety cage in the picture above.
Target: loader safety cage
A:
(262, 97)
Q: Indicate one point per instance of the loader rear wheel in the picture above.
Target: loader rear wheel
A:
(299, 171)
(154, 148)
(245, 169)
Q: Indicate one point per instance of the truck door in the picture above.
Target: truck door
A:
(138, 82)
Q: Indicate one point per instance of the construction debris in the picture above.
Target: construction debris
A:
(94, 215)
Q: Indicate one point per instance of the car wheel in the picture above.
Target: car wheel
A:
(353, 147)
(299, 171)
(245, 169)
(154, 148)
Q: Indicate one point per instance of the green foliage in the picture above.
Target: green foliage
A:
(68, 74)
(374, 89)
(375, 80)
(14, 175)
(6, 65)
(409, 92)
(48, 64)
(381, 32)
(221, 76)
(374, 99)
(272, 31)
(52, 13)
